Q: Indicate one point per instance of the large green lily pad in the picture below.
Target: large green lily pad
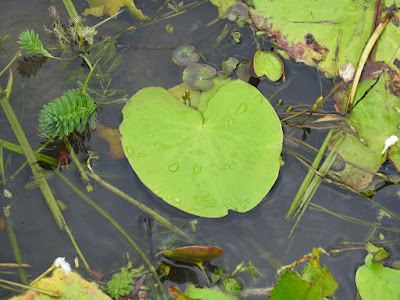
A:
(226, 155)
(309, 30)
(372, 121)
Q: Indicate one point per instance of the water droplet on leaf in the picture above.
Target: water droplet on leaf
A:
(226, 167)
(174, 167)
(259, 98)
(177, 200)
(242, 108)
(196, 169)
(129, 150)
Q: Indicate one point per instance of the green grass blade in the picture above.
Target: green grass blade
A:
(308, 178)
(316, 181)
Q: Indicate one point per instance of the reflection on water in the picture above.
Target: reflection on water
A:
(260, 236)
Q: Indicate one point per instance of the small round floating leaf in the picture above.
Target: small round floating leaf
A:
(225, 155)
(223, 5)
(269, 64)
(238, 10)
(185, 55)
(193, 254)
(236, 36)
(228, 66)
(169, 28)
(197, 75)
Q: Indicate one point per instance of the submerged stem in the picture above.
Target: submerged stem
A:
(30, 288)
(30, 156)
(70, 8)
(143, 207)
(14, 244)
(89, 186)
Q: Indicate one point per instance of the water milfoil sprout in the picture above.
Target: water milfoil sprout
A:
(68, 113)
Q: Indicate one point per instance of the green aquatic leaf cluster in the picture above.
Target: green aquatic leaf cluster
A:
(30, 41)
(314, 283)
(107, 68)
(121, 284)
(68, 113)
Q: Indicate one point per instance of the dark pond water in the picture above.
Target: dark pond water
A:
(259, 236)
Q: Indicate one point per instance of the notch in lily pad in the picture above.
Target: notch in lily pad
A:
(185, 55)
(267, 63)
(197, 76)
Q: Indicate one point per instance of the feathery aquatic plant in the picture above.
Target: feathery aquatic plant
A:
(65, 114)
(30, 41)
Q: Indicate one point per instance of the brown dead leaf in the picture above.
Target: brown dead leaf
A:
(113, 137)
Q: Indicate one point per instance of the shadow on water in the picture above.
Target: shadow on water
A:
(260, 235)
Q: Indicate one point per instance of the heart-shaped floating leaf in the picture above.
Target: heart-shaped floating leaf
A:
(185, 55)
(197, 76)
(267, 63)
(225, 155)
(193, 254)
